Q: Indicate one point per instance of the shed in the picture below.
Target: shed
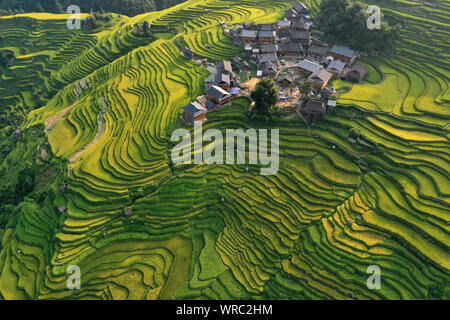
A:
(357, 73)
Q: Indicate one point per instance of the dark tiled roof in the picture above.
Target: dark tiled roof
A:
(284, 33)
(358, 71)
(221, 77)
(266, 34)
(291, 47)
(224, 66)
(301, 35)
(319, 50)
(309, 65)
(300, 7)
(283, 23)
(321, 75)
(336, 66)
(194, 109)
(249, 33)
(269, 48)
(268, 68)
(209, 104)
(315, 106)
(265, 27)
(343, 51)
(217, 93)
(301, 25)
(270, 57)
(291, 13)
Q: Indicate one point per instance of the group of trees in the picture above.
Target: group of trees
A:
(127, 7)
(6, 58)
(265, 97)
(345, 21)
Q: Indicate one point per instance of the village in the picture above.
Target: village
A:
(289, 51)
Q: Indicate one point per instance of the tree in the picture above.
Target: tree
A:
(346, 21)
(39, 7)
(265, 97)
(58, 7)
(305, 87)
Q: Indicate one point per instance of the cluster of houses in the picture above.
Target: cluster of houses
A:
(286, 51)
(221, 85)
(290, 45)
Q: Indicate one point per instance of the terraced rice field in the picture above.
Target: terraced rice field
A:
(285, 236)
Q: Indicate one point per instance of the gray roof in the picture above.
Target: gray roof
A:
(269, 48)
(217, 93)
(224, 66)
(319, 50)
(309, 65)
(320, 75)
(315, 107)
(265, 27)
(291, 13)
(343, 51)
(301, 35)
(268, 68)
(284, 32)
(209, 104)
(270, 57)
(222, 77)
(302, 25)
(195, 109)
(266, 34)
(283, 23)
(291, 47)
(249, 33)
(336, 66)
(300, 7)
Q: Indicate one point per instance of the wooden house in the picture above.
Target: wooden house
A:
(249, 35)
(357, 73)
(320, 78)
(291, 49)
(343, 53)
(194, 112)
(267, 36)
(218, 95)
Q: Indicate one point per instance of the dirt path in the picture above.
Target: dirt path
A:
(97, 136)
(51, 122)
(100, 123)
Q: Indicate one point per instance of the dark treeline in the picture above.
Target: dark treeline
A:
(345, 21)
(127, 7)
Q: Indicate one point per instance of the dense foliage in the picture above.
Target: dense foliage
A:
(126, 7)
(345, 21)
(27, 171)
(265, 97)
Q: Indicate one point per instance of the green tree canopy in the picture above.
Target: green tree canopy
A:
(345, 21)
(305, 87)
(265, 97)
(127, 7)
